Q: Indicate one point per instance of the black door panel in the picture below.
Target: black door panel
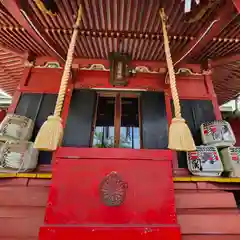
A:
(195, 112)
(154, 120)
(78, 129)
(37, 107)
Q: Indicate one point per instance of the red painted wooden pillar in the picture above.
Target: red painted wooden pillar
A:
(213, 96)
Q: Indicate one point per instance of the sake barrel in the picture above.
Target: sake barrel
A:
(19, 156)
(217, 133)
(205, 161)
(16, 127)
(231, 160)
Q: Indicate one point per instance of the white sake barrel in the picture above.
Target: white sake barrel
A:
(231, 160)
(217, 133)
(16, 127)
(205, 161)
(19, 156)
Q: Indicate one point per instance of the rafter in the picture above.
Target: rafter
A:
(222, 18)
(5, 71)
(26, 20)
(225, 60)
(13, 51)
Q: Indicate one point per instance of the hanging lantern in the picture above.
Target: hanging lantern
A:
(188, 4)
(119, 69)
(195, 9)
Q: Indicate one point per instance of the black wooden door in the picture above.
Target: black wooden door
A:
(154, 120)
(37, 107)
(80, 118)
(195, 112)
(29, 105)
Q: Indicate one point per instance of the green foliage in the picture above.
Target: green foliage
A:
(98, 137)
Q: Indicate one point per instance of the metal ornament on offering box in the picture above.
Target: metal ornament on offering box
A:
(112, 190)
(205, 161)
(217, 133)
(18, 156)
(231, 160)
(16, 127)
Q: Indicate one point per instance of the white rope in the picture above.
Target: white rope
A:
(39, 34)
(194, 45)
(197, 42)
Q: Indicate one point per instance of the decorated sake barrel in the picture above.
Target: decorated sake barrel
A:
(205, 161)
(16, 127)
(231, 160)
(1, 145)
(19, 156)
(217, 133)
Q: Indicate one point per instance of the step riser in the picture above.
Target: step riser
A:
(76, 233)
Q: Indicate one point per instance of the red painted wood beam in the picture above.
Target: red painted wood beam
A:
(14, 8)
(224, 60)
(237, 4)
(151, 64)
(224, 16)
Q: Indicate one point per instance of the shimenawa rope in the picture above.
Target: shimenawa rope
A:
(50, 135)
(180, 137)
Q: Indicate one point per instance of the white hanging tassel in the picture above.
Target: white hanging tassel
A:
(188, 5)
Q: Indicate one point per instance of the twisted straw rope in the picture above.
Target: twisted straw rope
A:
(176, 102)
(67, 68)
